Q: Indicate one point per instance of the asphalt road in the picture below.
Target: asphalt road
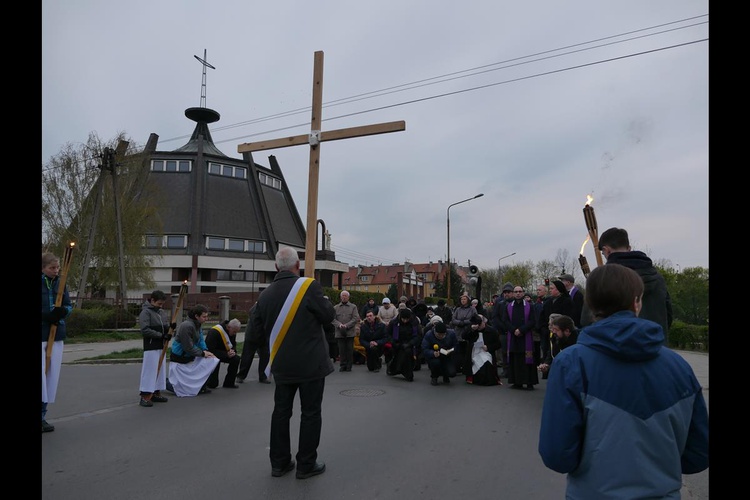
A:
(382, 438)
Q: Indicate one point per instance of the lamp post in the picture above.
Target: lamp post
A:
(504, 257)
(448, 226)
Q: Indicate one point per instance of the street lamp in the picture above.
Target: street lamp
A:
(505, 257)
(448, 226)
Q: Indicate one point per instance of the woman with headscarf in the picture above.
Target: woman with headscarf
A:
(560, 303)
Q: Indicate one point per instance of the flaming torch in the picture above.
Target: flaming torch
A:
(590, 218)
(66, 260)
(177, 311)
(582, 259)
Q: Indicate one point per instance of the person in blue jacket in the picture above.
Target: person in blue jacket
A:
(623, 415)
(52, 315)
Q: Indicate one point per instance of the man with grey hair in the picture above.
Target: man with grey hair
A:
(347, 326)
(290, 317)
(221, 340)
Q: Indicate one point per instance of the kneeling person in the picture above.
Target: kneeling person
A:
(191, 363)
(438, 349)
(222, 342)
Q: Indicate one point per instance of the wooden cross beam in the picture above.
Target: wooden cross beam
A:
(314, 139)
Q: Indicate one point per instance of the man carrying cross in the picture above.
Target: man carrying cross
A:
(289, 316)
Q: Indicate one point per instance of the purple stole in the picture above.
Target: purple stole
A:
(529, 348)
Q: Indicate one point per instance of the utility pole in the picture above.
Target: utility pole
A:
(110, 164)
(90, 245)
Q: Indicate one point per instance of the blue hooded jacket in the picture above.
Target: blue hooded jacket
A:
(623, 416)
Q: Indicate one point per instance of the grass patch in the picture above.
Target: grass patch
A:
(103, 336)
(134, 353)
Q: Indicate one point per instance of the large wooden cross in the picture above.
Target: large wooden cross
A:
(314, 139)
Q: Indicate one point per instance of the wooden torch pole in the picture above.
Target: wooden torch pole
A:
(67, 258)
(175, 316)
(590, 218)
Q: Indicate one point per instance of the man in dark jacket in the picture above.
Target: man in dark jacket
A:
(290, 315)
(253, 344)
(657, 304)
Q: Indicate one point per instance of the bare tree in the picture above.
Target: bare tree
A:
(74, 187)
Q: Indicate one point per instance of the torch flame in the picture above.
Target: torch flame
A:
(185, 282)
(72, 244)
(584, 244)
(589, 199)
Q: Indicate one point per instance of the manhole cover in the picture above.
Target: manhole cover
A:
(362, 393)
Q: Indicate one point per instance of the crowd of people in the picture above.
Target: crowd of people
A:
(614, 329)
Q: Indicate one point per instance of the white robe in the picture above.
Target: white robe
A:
(188, 378)
(51, 377)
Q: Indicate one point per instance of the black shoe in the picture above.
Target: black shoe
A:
(145, 403)
(239, 379)
(433, 381)
(280, 472)
(342, 369)
(319, 468)
(233, 386)
(264, 381)
(516, 386)
(212, 386)
(156, 398)
(204, 390)
(410, 379)
(446, 380)
(47, 427)
(529, 387)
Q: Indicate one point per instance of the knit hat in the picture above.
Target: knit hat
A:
(436, 319)
(440, 327)
(568, 277)
(386, 300)
(405, 313)
(560, 286)
(508, 287)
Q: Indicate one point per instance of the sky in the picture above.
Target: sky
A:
(535, 105)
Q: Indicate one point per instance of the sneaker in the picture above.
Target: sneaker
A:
(470, 379)
(433, 381)
(47, 427)
(146, 403)
(157, 398)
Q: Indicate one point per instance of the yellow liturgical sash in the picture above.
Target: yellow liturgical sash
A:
(286, 315)
(224, 337)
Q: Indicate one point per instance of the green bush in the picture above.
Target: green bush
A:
(356, 297)
(97, 304)
(688, 337)
(240, 315)
(83, 321)
(135, 309)
(118, 318)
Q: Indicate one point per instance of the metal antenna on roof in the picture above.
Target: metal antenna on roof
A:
(203, 82)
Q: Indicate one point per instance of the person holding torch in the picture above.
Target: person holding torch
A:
(56, 306)
(156, 330)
